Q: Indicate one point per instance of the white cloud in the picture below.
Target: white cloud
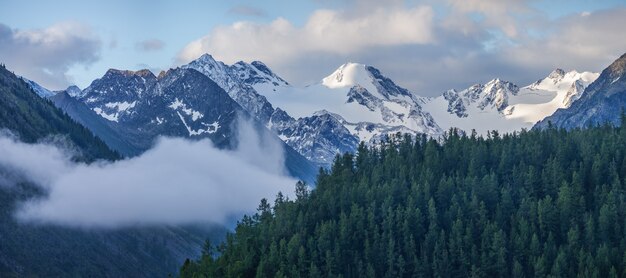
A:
(46, 55)
(326, 31)
(176, 182)
(588, 41)
(465, 42)
(496, 14)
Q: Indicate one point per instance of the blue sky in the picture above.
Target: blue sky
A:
(448, 44)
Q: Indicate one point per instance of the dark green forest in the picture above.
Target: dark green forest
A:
(33, 119)
(540, 203)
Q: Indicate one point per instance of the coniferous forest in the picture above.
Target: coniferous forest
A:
(540, 203)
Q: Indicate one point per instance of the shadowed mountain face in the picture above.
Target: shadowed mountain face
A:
(33, 119)
(602, 102)
(129, 110)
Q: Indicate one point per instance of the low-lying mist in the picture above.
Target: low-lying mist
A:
(177, 182)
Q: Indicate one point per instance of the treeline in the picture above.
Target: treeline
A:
(531, 204)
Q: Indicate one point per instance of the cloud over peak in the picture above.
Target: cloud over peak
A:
(178, 181)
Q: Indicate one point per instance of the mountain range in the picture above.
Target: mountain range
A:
(355, 103)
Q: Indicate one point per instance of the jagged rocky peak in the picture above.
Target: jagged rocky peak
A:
(501, 86)
(260, 66)
(618, 67)
(553, 78)
(73, 91)
(559, 80)
(129, 73)
(208, 62)
(496, 94)
(556, 74)
(385, 85)
(115, 95)
(456, 105)
(206, 57)
(256, 73)
(145, 73)
(161, 74)
(574, 93)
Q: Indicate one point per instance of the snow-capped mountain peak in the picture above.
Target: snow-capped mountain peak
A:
(496, 93)
(256, 73)
(351, 75)
(348, 75)
(559, 80)
(355, 103)
(73, 91)
(556, 75)
(503, 106)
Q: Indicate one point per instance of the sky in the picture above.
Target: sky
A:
(427, 46)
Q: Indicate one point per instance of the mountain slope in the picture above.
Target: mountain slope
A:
(181, 102)
(28, 250)
(324, 119)
(359, 94)
(503, 106)
(602, 102)
(101, 127)
(358, 103)
(33, 118)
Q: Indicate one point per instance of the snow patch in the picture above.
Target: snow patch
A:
(211, 128)
(195, 115)
(111, 117)
(121, 106)
(615, 80)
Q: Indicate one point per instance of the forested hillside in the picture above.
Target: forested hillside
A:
(33, 118)
(532, 204)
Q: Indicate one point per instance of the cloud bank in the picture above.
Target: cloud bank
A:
(176, 182)
(429, 47)
(47, 54)
(326, 31)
